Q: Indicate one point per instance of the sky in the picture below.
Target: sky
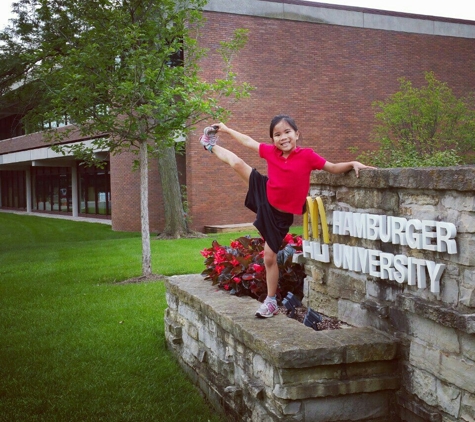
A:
(458, 9)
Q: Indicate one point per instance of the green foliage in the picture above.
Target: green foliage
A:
(128, 69)
(239, 268)
(420, 127)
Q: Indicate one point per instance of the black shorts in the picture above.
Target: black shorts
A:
(273, 225)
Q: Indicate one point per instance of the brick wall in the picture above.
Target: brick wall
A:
(326, 77)
(125, 193)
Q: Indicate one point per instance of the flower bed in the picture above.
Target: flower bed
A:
(239, 268)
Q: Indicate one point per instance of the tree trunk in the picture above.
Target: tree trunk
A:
(175, 221)
(146, 253)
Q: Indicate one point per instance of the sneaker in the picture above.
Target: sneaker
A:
(209, 138)
(267, 309)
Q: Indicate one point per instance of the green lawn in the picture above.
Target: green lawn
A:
(75, 345)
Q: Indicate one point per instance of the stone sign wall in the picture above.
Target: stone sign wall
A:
(392, 255)
(277, 369)
(401, 258)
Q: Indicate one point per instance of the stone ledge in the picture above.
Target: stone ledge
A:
(336, 387)
(445, 316)
(230, 228)
(458, 178)
(284, 342)
(415, 408)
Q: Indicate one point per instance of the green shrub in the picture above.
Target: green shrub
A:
(421, 127)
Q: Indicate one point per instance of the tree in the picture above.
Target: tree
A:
(125, 72)
(427, 126)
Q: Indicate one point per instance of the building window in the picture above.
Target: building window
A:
(52, 189)
(94, 188)
(13, 189)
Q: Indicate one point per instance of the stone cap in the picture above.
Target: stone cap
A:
(285, 342)
(436, 312)
(459, 178)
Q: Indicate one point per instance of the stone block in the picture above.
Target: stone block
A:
(420, 198)
(172, 301)
(323, 303)
(437, 336)
(467, 343)
(465, 248)
(383, 290)
(347, 408)
(336, 387)
(424, 386)
(411, 411)
(449, 398)
(467, 288)
(467, 408)
(467, 296)
(191, 350)
(449, 368)
(457, 371)
(346, 285)
(458, 202)
(424, 357)
(357, 315)
(290, 408)
(262, 370)
(187, 313)
(440, 314)
(173, 327)
(192, 330)
(450, 290)
(465, 222)
(420, 211)
(210, 341)
(385, 200)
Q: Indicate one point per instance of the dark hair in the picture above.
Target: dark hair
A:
(277, 119)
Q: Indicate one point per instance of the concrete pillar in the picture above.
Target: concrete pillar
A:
(74, 190)
(28, 190)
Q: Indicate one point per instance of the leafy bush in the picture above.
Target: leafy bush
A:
(405, 155)
(423, 127)
(240, 269)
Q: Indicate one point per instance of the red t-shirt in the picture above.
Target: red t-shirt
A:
(289, 178)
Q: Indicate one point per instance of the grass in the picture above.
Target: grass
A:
(75, 345)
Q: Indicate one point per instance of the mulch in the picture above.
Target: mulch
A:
(328, 323)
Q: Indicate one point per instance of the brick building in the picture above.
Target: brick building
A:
(323, 64)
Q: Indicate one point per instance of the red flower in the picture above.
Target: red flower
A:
(258, 268)
(237, 280)
(226, 287)
(288, 238)
(206, 253)
(219, 256)
(219, 268)
(235, 244)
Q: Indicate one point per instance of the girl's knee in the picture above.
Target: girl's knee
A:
(238, 163)
(270, 257)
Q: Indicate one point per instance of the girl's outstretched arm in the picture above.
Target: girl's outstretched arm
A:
(345, 167)
(245, 140)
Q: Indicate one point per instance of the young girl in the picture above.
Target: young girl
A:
(277, 197)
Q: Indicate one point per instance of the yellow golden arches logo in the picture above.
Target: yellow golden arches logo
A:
(315, 209)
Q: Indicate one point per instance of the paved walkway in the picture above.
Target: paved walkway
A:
(61, 217)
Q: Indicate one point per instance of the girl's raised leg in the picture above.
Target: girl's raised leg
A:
(237, 164)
